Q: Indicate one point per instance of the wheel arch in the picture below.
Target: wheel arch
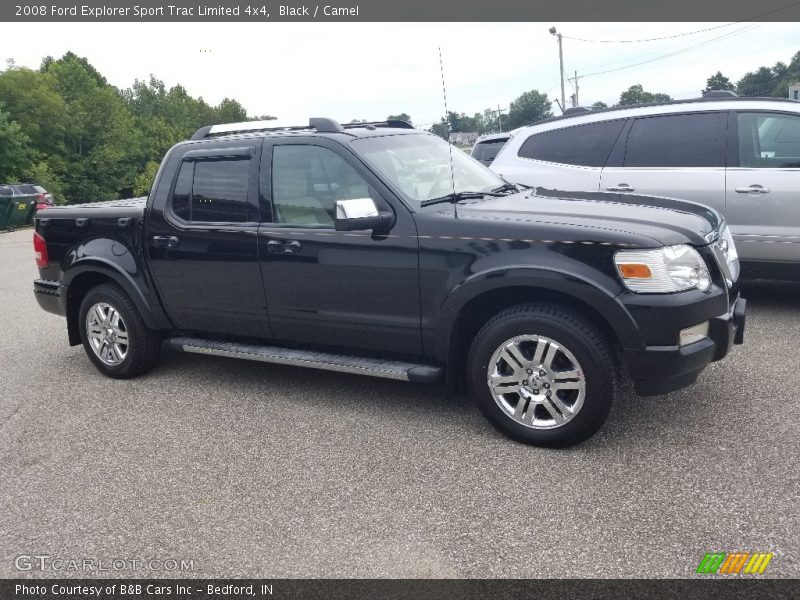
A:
(89, 274)
(475, 303)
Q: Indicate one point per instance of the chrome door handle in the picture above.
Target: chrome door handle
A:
(283, 246)
(164, 241)
(622, 187)
(753, 189)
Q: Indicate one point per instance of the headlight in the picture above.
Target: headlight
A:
(729, 254)
(663, 270)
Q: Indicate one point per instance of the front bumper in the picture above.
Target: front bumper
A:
(662, 369)
(51, 296)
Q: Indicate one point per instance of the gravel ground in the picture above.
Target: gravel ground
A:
(251, 469)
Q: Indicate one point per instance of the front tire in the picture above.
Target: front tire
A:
(115, 337)
(542, 375)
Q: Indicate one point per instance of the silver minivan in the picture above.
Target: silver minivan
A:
(738, 155)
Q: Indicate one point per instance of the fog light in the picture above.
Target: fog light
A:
(690, 335)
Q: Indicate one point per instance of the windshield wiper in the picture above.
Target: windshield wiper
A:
(506, 187)
(512, 187)
(454, 197)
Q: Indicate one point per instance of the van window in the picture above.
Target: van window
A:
(695, 140)
(583, 145)
(769, 140)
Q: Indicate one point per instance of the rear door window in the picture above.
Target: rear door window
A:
(582, 145)
(694, 140)
(213, 191)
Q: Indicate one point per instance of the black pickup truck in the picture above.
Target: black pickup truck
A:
(375, 248)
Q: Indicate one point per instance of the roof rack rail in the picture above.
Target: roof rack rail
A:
(720, 94)
(396, 123)
(712, 98)
(573, 110)
(314, 124)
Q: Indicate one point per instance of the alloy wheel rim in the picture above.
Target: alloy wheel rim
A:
(536, 381)
(107, 333)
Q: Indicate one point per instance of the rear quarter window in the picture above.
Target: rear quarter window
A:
(581, 145)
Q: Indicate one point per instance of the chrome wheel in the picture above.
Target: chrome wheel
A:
(107, 333)
(536, 381)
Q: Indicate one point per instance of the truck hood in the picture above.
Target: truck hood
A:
(662, 221)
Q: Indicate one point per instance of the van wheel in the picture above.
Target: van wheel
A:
(543, 375)
(114, 335)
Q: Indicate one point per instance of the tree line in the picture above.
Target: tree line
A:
(66, 128)
(534, 106)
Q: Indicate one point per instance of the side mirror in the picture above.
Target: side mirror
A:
(360, 214)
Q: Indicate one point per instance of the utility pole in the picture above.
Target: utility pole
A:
(561, 66)
(500, 112)
(575, 102)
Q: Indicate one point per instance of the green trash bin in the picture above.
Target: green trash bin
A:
(21, 211)
(5, 208)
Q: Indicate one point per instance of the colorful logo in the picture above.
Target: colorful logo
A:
(733, 563)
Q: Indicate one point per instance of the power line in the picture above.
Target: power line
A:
(658, 54)
(656, 39)
(677, 35)
(681, 51)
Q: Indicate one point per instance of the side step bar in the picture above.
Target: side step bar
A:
(388, 369)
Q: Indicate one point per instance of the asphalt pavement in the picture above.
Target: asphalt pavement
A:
(257, 470)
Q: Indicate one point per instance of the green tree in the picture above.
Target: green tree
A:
(144, 180)
(400, 117)
(442, 129)
(757, 83)
(66, 128)
(718, 81)
(636, 95)
(786, 75)
(41, 173)
(528, 108)
(99, 133)
(229, 111)
(31, 99)
(794, 64)
(599, 104)
(490, 122)
(15, 150)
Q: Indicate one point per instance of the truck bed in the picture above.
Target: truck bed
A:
(127, 208)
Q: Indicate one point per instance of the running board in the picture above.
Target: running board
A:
(374, 367)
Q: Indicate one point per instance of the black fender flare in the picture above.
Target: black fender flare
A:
(153, 315)
(580, 288)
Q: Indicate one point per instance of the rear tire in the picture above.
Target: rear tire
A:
(114, 335)
(542, 375)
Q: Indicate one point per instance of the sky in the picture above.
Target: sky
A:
(371, 70)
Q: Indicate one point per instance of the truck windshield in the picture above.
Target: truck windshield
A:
(418, 165)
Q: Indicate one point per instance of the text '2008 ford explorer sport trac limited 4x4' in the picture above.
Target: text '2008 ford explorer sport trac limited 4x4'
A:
(369, 248)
